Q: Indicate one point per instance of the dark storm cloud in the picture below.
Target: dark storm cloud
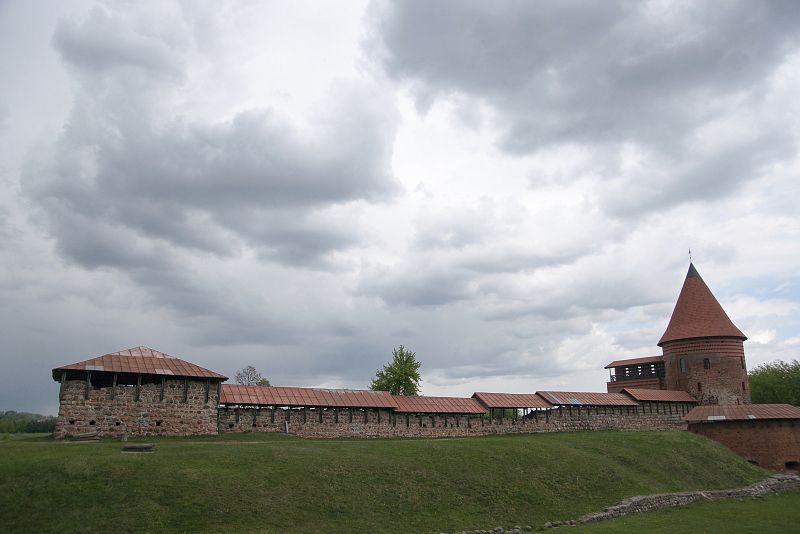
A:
(603, 74)
(124, 183)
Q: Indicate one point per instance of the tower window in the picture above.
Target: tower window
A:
(706, 363)
(743, 388)
(742, 362)
(682, 363)
(699, 387)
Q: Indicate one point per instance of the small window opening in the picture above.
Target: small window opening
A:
(699, 386)
(158, 423)
(742, 362)
(117, 423)
(706, 363)
(92, 422)
(743, 387)
(795, 466)
(72, 421)
(230, 425)
(254, 424)
(682, 363)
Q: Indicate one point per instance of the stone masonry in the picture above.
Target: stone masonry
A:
(338, 423)
(121, 410)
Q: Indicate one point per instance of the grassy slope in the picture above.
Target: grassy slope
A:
(776, 513)
(272, 483)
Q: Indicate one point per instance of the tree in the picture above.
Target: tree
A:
(776, 383)
(401, 376)
(248, 376)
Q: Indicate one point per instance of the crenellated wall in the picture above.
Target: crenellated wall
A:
(342, 423)
(186, 407)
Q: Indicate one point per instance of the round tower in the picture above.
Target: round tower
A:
(703, 349)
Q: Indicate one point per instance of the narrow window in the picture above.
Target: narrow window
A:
(742, 362)
(743, 388)
(683, 364)
(699, 387)
(706, 363)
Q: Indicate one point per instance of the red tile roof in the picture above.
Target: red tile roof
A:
(511, 400)
(742, 412)
(635, 361)
(309, 397)
(460, 405)
(141, 360)
(659, 395)
(697, 313)
(580, 398)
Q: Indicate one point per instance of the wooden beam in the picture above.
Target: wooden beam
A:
(63, 385)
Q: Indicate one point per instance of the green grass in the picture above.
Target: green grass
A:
(776, 513)
(276, 483)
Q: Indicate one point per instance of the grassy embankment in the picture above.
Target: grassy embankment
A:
(776, 513)
(276, 483)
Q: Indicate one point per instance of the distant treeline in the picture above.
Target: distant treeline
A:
(12, 422)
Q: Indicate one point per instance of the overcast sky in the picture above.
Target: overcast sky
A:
(510, 189)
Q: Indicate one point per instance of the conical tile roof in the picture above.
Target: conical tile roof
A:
(698, 313)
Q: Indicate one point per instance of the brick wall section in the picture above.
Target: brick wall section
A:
(385, 423)
(143, 417)
(725, 382)
(768, 443)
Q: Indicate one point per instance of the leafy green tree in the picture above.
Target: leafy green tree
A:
(776, 383)
(401, 376)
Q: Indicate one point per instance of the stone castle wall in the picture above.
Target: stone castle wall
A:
(342, 423)
(724, 382)
(117, 412)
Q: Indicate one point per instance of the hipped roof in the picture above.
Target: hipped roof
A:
(140, 360)
(698, 314)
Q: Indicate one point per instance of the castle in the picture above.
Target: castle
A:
(142, 391)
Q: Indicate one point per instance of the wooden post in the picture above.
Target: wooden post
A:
(163, 385)
(408, 420)
(350, 414)
(255, 415)
(336, 415)
(185, 390)
(114, 386)
(88, 384)
(208, 389)
(320, 414)
(305, 415)
(379, 415)
(366, 415)
(63, 385)
(237, 415)
(138, 385)
(272, 414)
